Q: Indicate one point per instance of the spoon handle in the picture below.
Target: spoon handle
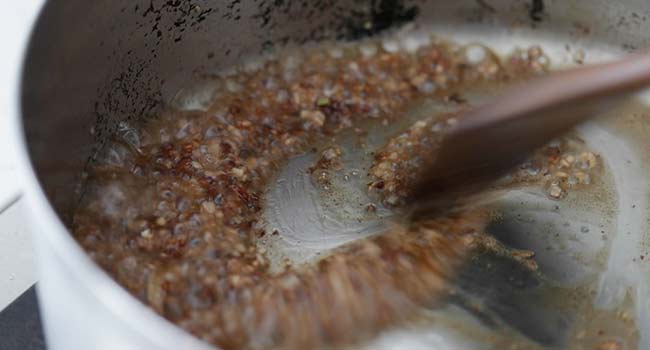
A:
(489, 141)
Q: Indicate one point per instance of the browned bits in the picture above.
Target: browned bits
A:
(609, 345)
(560, 167)
(330, 160)
(397, 164)
(180, 232)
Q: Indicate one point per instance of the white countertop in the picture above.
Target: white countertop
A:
(16, 257)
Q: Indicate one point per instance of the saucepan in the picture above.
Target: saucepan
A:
(92, 66)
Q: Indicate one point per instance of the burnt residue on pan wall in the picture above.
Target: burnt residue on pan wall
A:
(163, 25)
(166, 29)
(96, 68)
(135, 87)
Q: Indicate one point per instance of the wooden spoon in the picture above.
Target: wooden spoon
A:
(489, 141)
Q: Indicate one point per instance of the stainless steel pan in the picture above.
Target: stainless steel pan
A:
(93, 64)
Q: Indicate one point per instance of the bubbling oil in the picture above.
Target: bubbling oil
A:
(252, 215)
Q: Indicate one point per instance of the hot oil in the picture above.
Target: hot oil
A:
(558, 259)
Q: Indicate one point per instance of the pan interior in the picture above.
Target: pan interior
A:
(589, 246)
